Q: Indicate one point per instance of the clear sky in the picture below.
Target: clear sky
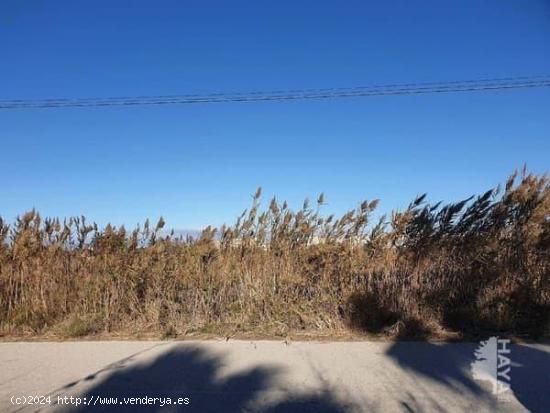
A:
(199, 164)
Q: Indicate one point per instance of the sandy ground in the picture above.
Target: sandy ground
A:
(266, 376)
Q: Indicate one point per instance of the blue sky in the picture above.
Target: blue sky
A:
(199, 164)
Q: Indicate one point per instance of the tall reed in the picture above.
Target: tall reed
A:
(481, 264)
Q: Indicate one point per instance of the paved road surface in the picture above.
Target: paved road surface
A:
(267, 376)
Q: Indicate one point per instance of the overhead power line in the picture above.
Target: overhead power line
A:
(285, 95)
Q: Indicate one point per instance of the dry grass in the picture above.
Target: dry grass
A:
(475, 266)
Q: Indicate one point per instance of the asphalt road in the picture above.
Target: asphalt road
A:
(264, 376)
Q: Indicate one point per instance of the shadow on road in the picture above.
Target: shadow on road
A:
(194, 373)
(449, 364)
(531, 378)
(202, 376)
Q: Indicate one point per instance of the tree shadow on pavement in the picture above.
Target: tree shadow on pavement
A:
(530, 377)
(194, 373)
(449, 364)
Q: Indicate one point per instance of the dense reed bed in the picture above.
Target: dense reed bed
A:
(478, 265)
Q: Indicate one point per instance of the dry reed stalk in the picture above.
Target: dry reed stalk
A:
(477, 265)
